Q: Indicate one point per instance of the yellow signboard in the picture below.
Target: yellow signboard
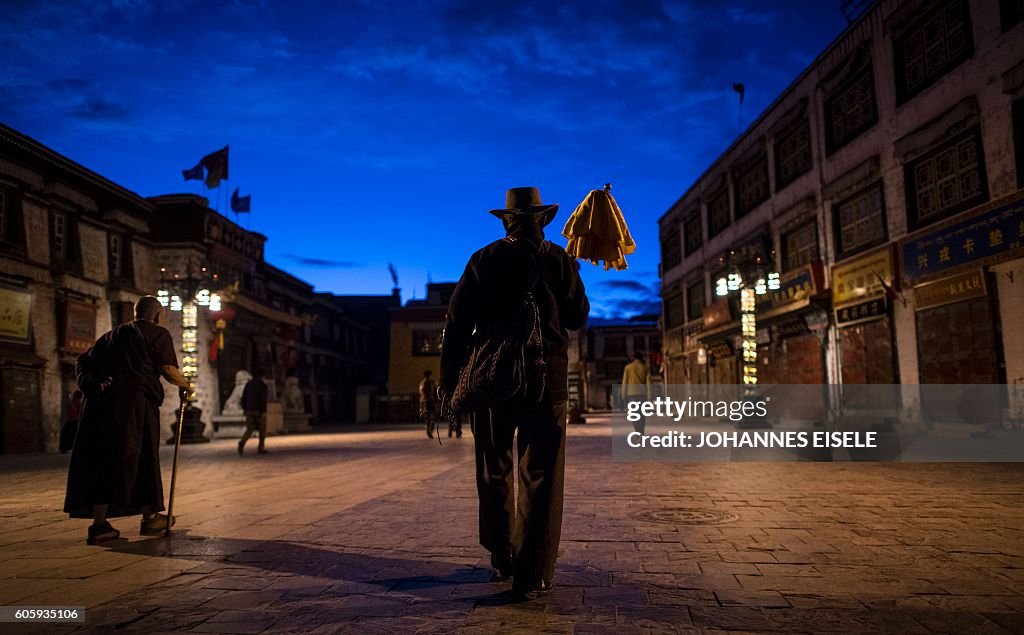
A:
(862, 277)
(15, 314)
(954, 289)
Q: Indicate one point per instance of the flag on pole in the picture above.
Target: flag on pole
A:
(240, 204)
(741, 89)
(216, 164)
(194, 173)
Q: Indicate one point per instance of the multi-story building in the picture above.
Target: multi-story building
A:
(611, 345)
(415, 346)
(76, 252)
(886, 179)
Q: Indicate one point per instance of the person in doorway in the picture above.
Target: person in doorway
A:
(254, 405)
(115, 461)
(636, 385)
(428, 403)
(522, 535)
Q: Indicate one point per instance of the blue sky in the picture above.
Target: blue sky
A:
(375, 132)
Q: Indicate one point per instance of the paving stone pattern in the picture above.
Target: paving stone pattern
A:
(374, 531)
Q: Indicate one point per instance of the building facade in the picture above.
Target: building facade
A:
(76, 252)
(611, 347)
(416, 333)
(885, 186)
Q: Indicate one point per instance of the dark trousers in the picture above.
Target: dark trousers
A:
(531, 529)
(255, 422)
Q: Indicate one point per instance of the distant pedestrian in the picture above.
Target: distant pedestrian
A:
(254, 405)
(71, 417)
(115, 462)
(636, 385)
(428, 403)
(522, 536)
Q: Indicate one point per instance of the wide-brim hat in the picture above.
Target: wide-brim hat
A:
(526, 201)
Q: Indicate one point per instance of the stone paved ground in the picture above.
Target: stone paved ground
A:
(374, 532)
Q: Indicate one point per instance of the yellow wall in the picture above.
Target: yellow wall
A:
(405, 370)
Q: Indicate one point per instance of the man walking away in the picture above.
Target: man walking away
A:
(636, 385)
(254, 405)
(115, 462)
(428, 403)
(522, 536)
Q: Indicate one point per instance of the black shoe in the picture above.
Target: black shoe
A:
(155, 525)
(430, 431)
(101, 533)
(502, 570)
(262, 451)
(532, 590)
(449, 433)
(241, 448)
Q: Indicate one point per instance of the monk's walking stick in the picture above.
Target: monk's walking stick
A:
(174, 465)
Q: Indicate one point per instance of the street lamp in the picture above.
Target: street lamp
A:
(186, 294)
(748, 274)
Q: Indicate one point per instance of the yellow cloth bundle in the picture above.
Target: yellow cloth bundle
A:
(597, 231)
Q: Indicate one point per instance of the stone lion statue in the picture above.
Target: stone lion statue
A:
(292, 396)
(233, 405)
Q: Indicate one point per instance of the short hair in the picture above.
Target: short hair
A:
(147, 307)
(259, 373)
(428, 373)
(640, 355)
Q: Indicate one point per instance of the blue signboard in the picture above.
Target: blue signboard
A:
(991, 233)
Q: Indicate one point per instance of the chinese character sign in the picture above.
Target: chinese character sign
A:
(15, 312)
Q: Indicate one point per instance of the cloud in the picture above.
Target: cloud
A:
(321, 263)
(625, 285)
(100, 109)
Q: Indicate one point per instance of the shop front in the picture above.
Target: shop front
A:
(954, 273)
(863, 315)
(791, 329)
(21, 424)
(718, 339)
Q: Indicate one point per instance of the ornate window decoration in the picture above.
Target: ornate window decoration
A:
(947, 180)
(850, 107)
(792, 153)
(800, 246)
(693, 233)
(860, 221)
(718, 213)
(695, 301)
(671, 248)
(751, 184)
(426, 341)
(932, 46)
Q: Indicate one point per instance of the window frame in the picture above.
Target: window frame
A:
(838, 228)
(914, 220)
(758, 163)
(676, 295)
(699, 233)
(905, 94)
(787, 254)
(435, 349)
(802, 125)
(712, 231)
(699, 314)
(833, 145)
(673, 240)
(616, 338)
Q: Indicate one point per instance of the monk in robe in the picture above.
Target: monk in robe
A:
(115, 462)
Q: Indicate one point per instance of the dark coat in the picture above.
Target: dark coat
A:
(115, 458)
(490, 288)
(254, 396)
